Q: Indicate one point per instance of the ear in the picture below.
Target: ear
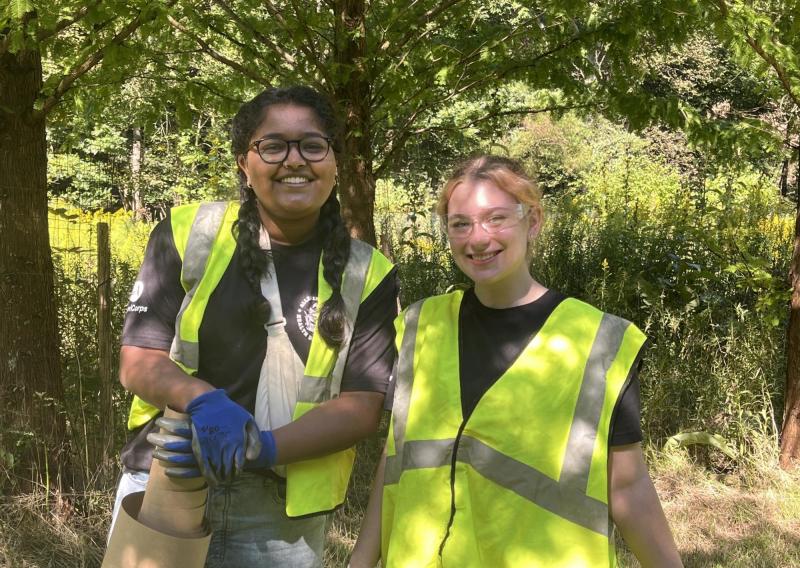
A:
(241, 161)
(535, 222)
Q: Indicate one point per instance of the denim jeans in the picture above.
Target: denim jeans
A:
(249, 525)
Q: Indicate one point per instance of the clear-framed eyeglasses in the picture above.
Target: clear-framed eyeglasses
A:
(492, 220)
(276, 150)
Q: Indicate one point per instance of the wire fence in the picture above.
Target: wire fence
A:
(91, 288)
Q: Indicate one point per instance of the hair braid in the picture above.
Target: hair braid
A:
(335, 254)
(336, 244)
(255, 260)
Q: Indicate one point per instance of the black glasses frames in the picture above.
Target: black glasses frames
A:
(276, 150)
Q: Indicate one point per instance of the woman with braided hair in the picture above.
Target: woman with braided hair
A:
(272, 329)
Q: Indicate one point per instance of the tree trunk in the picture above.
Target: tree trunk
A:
(104, 344)
(352, 95)
(790, 432)
(137, 158)
(32, 423)
(783, 184)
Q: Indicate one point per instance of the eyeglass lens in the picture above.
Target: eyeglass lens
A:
(276, 150)
(493, 221)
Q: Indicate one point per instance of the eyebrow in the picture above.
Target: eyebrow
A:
(487, 210)
(280, 134)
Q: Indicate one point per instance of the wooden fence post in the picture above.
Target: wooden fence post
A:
(104, 339)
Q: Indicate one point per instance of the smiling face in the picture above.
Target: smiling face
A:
(294, 190)
(491, 260)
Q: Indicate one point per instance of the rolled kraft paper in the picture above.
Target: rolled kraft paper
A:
(171, 505)
(135, 545)
(176, 499)
(176, 522)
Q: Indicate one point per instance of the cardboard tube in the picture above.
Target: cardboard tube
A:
(163, 526)
(135, 545)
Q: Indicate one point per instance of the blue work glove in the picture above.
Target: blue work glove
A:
(266, 457)
(174, 450)
(221, 432)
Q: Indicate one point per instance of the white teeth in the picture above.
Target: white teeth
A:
(296, 179)
(484, 256)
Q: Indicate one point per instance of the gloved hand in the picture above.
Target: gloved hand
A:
(266, 457)
(222, 431)
(174, 450)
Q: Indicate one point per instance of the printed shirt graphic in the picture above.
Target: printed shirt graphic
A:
(136, 293)
(306, 316)
(235, 340)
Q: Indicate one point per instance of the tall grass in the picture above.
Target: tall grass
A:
(704, 278)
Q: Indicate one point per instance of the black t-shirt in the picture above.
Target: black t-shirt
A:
(233, 341)
(490, 340)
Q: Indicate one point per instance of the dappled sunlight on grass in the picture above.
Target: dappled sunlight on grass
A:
(744, 519)
(64, 530)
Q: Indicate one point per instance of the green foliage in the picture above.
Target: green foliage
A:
(184, 165)
(177, 165)
(699, 263)
(75, 257)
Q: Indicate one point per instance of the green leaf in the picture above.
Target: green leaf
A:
(18, 8)
(692, 438)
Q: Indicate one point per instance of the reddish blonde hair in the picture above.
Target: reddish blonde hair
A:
(505, 173)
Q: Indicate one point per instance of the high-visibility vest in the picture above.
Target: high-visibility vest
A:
(523, 481)
(205, 244)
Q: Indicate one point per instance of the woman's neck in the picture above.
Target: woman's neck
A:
(507, 294)
(289, 231)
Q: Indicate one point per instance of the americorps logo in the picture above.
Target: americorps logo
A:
(307, 316)
(136, 293)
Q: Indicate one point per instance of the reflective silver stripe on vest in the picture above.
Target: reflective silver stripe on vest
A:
(404, 381)
(418, 454)
(566, 497)
(531, 484)
(313, 389)
(202, 235)
(589, 406)
(317, 390)
(355, 276)
(524, 480)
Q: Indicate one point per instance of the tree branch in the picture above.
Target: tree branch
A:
(477, 80)
(246, 49)
(268, 42)
(217, 55)
(393, 49)
(780, 70)
(390, 156)
(310, 31)
(87, 64)
(312, 57)
(60, 26)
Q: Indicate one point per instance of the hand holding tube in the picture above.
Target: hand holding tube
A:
(221, 432)
(174, 449)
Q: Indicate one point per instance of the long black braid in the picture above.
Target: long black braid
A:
(255, 260)
(336, 238)
(335, 253)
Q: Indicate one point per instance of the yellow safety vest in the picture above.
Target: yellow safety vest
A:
(523, 481)
(205, 244)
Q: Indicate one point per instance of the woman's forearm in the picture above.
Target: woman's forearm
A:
(636, 510)
(367, 550)
(332, 426)
(157, 379)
